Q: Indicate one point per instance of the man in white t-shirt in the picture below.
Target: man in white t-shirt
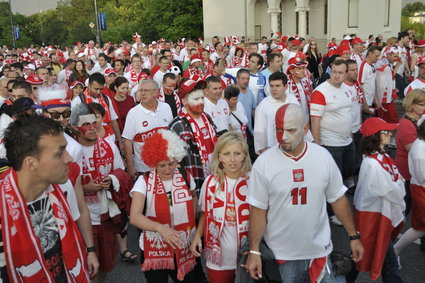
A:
(331, 120)
(264, 123)
(142, 120)
(101, 64)
(132, 75)
(164, 64)
(215, 106)
(419, 82)
(288, 192)
(367, 76)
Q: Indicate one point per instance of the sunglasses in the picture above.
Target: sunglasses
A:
(56, 115)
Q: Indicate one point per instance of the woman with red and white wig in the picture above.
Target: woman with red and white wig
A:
(224, 221)
(168, 223)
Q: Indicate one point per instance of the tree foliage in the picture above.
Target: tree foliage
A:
(410, 9)
(406, 24)
(69, 22)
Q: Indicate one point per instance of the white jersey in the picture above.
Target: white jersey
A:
(356, 96)
(294, 192)
(264, 123)
(88, 167)
(140, 124)
(385, 84)
(367, 78)
(219, 113)
(402, 52)
(74, 149)
(333, 106)
(91, 53)
(77, 100)
(234, 124)
(417, 163)
(69, 192)
(416, 84)
(98, 69)
(357, 57)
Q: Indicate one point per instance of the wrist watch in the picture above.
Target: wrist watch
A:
(91, 249)
(355, 237)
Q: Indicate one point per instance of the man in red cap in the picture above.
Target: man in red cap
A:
(194, 72)
(147, 117)
(289, 52)
(110, 77)
(35, 83)
(358, 47)
(419, 82)
(196, 128)
(134, 70)
(297, 83)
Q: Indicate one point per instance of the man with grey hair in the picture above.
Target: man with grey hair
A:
(142, 120)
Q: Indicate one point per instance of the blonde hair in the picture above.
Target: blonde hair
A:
(225, 140)
(414, 97)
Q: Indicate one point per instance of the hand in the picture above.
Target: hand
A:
(253, 266)
(196, 246)
(93, 186)
(357, 250)
(106, 183)
(171, 236)
(92, 264)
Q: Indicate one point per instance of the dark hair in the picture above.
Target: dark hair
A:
(24, 85)
(212, 79)
(103, 55)
(216, 44)
(421, 131)
(165, 50)
(349, 62)
(162, 58)
(97, 77)
(169, 76)
(371, 144)
(278, 76)
(242, 71)
(372, 49)
(231, 91)
(22, 136)
(137, 55)
(69, 61)
(260, 58)
(17, 65)
(121, 61)
(340, 62)
(96, 108)
(147, 71)
(402, 34)
(118, 81)
(271, 57)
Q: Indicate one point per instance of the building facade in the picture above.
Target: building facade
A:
(321, 19)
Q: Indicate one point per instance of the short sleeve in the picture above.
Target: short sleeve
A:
(114, 115)
(257, 190)
(406, 133)
(317, 104)
(128, 131)
(335, 188)
(139, 186)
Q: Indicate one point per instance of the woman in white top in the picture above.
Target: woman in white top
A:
(168, 220)
(225, 213)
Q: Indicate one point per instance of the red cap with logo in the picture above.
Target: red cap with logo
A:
(109, 71)
(420, 43)
(297, 61)
(373, 125)
(34, 80)
(189, 85)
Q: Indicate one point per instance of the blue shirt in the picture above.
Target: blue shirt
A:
(248, 103)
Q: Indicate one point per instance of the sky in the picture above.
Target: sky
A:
(29, 7)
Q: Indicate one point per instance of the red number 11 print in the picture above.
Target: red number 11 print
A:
(299, 193)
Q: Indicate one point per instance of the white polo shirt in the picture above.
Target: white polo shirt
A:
(219, 113)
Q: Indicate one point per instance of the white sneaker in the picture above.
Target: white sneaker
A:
(334, 220)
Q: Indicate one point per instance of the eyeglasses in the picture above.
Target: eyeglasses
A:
(56, 115)
(384, 132)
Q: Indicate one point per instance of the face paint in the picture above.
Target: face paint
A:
(289, 127)
(195, 102)
(89, 118)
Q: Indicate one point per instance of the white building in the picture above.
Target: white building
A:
(322, 19)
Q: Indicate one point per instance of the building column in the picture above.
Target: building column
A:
(274, 19)
(302, 9)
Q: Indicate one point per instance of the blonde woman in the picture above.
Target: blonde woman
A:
(225, 213)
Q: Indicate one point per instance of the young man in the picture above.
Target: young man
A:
(194, 72)
(93, 94)
(291, 215)
(357, 53)
(197, 129)
(41, 242)
(134, 70)
(215, 106)
(367, 74)
(101, 64)
(264, 131)
(246, 97)
(63, 76)
(164, 63)
(274, 64)
(147, 117)
(289, 52)
(168, 93)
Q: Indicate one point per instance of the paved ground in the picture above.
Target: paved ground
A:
(412, 259)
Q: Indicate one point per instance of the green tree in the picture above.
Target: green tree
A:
(410, 9)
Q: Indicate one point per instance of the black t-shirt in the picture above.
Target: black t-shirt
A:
(46, 229)
(169, 99)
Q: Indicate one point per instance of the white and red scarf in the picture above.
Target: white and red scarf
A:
(161, 97)
(195, 74)
(388, 164)
(107, 118)
(237, 62)
(158, 254)
(24, 256)
(199, 137)
(296, 92)
(103, 160)
(216, 207)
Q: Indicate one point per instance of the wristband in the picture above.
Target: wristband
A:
(91, 249)
(355, 237)
(254, 252)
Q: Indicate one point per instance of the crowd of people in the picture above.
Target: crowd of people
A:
(211, 150)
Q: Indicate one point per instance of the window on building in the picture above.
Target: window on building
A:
(353, 13)
(387, 13)
(325, 22)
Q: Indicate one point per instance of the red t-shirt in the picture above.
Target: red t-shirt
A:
(123, 107)
(406, 134)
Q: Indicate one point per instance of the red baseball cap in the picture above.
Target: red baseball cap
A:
(373, 125)
(421, 60)
(75, 83)
(34, 80)
(357, 40)
(109, 71)
(143, 76)
(188, 86)
(195, 58)
(296, 42)
(297, 61)
(344, 42)
(342, 49)
(421, 43)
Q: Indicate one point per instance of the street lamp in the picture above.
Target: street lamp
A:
(11, 25)
(97, 23)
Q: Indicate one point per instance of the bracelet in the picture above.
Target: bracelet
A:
(254, 252)
(91, 249)
(355, 237)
